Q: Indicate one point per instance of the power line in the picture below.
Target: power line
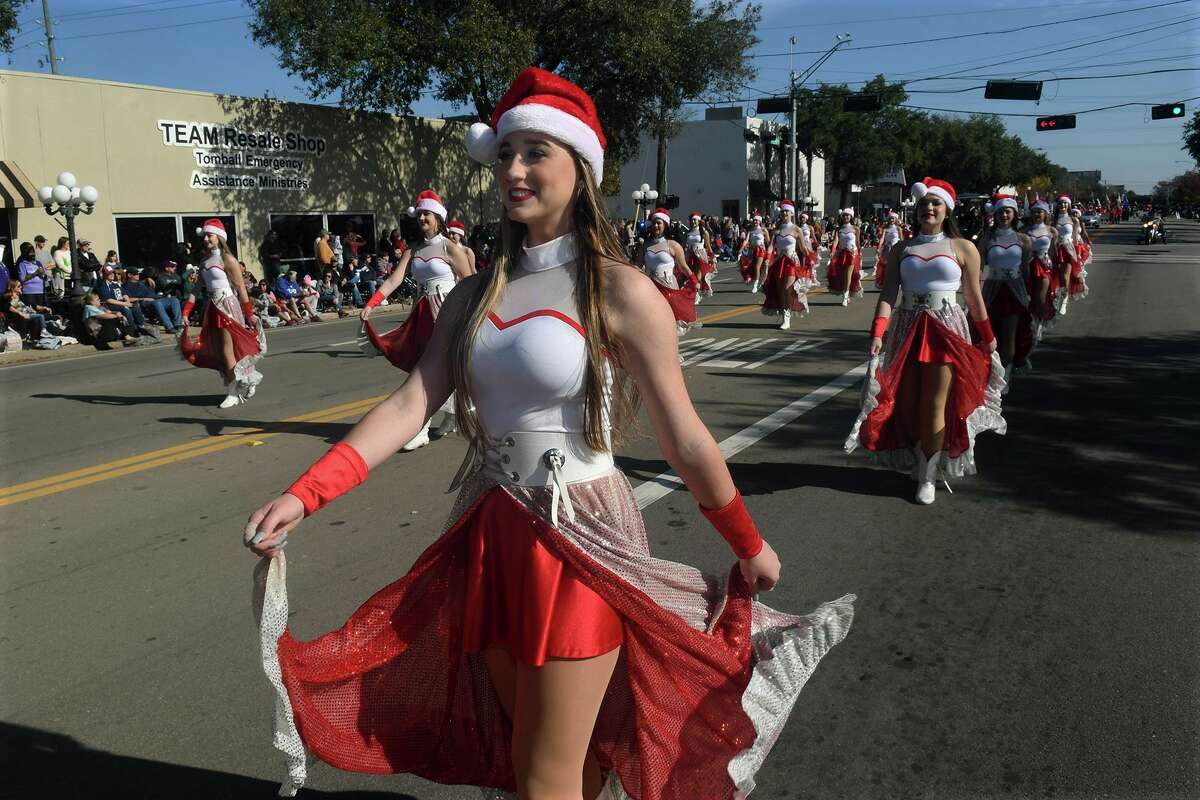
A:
(154, 27)
(1014, 114)
(1055, 80)
(85, 15)
(910, 17)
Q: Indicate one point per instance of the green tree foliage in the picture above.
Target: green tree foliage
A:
(8, 23)
(1191, 137)
(384, 54)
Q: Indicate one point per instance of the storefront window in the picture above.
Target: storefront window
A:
(297, 235)
(190, 224)
(145, 241)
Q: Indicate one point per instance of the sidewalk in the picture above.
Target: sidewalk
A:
(11, 358)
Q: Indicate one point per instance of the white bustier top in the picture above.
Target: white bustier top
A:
(930, 265)
(757, 238)
(660, 264)
(806, 233)
(530, 357)
(215, 279)
(785, 239)
(1040, 238)
(891, 235)
(846, 239)
(695, 241)
(431, 261)
(1066, 230)
(1004, 255)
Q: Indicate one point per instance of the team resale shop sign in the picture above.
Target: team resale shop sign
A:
(277, 157)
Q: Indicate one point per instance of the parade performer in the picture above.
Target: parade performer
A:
(457, 233)
(701, 259)
(1044, 276)
(922, 409)
(754, 253)
(789, 277)
(663, 260)
(230, 340)
(1083, 248)
(437, 264)
(1066, 256)
(810, 234)
(844, 274)
(537, 642)
(1007, 271)
(891, 235)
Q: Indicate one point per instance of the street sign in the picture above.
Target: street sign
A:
(861, 103)
(1013, 90)
(774, 105)
(1058, 123)
(1167, 111)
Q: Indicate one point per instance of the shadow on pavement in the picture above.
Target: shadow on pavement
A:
(329, 431)
(57, 767)
(198, 400)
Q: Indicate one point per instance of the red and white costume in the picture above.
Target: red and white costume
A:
(812, 250)
(844, 274)
(547, 556)
(928, 326)
(430, 268)
(699, 260)
(786, 263)
(891, 235)
(1006, 288)
(756, 248)
(1041, 239)
(224, 313)
(659, 264)
(1067, 252)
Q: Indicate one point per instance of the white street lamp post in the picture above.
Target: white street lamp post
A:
(68, 199)
(646, 195)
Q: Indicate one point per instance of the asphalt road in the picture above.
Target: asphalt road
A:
(1032, 635)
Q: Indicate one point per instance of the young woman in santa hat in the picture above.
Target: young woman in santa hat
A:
(537, 641)
(935, 391)
(891, 235)
(437, 264)
(1083, 248)
(456, 232)
(229, 341)
(1066, 256)
(663, 260)
(754, 250)
(844, 275)
(1043, 275)
(785, 288)
(701, 259)
(810, 234)
(1007, 267)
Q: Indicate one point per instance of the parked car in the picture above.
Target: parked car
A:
(1091, 219)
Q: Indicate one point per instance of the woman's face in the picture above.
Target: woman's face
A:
(1039, 216)
(658, 228)
(844, 219)
(931, 211)
(454, 237)
(1062, 206)
(1005, 217)
(212, 242)
(537, 177)
(786, 216)
(695, 223)
(428, 222)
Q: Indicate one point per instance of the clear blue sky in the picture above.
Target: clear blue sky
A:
(209, 49)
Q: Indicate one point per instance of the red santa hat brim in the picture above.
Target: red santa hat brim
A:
(214, 226)
(787, 205)
(661, 213)
(695, 215)
(457, 227)
(428, 201)
(1004, 201)
(939, 189)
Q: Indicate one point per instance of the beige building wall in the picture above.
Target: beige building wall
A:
(109, 135)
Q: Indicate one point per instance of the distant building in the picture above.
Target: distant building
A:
(877, 194)
(719, 165)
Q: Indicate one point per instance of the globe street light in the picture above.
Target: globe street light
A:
(68, 199)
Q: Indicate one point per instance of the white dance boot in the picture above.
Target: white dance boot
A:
(787, 321)
(927, 471)
(1008, 373)
(846, 298)
(420, 440)
(233, 395)
(754, 288)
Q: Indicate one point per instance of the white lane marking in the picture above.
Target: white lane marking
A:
(662, 485)
(339, 344)
(725, 363)
(709, 351)
(794, 347)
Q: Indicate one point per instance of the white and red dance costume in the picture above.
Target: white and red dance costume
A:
(928, 326)
(546, 556)
(812, 251)
(660, 266)
(844, 273)
(1084, 250)
(1006, 288)
(786, 264)
(1067, 252)
(430, 268)
(891, 235)
(222, 312)
(756, 248)
(700, 262)
(1041, 238)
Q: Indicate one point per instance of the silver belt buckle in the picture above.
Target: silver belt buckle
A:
(920, 302)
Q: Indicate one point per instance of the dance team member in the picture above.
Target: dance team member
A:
(785, 290)
(663, 260)
(754, 250)
(844, 274)
(456, 232)
(891, 235)
(701, 259)
(1007, 257)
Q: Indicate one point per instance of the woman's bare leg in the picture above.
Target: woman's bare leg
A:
(1008, 339)
(935, 389)
(908, 405)
(227, 355)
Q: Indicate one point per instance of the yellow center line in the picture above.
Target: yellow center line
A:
(737, 312)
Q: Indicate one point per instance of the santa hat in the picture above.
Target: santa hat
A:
(213, 226)
(757, 217)
(892, 214)
(454, 226)
(696, 215)
(849, 211)
(429, 201)
(803, 216)
(1040, 204)
(787, 205)
(1064, 196)
(936, 188)
(663, 214)
(1001, 201)
(543, 102)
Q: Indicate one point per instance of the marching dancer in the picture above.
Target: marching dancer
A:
(229, 340)
(1043, 276)
(934, 392)
(844, 274)
(701, 259)
(891, 235)
(437, 264)
(1007, 257)
(663, 260)
(788, 280)
(1083, 248)
(537, 642)
(754, 250)
(457, 233)
(1066, 256)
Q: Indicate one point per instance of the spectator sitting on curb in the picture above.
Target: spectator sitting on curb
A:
(167, 282)
(329, 293)
(348, 282)
(309, 295)
(289, 293)
(167, 309)
(113, 296)
(108, 324)
(33, 316)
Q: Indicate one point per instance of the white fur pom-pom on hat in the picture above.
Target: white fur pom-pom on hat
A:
(481, 143)
(411, 211)
(937, 188)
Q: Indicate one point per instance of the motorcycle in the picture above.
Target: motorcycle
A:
(1153, 232)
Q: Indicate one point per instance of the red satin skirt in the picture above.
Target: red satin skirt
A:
(1006, 304)
(682, 301)
(782, 270)
(845, 271)
(702, 268)
(404, 345)
(207, 350)
(746, 262)
(523, 598)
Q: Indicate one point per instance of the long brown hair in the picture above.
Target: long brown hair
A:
(606, 404)
(949, 224)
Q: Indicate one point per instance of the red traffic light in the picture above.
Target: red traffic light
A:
(1056, 123)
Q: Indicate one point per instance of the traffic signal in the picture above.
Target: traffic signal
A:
(1167, 111)
(669, 201)
(1013, 90)
(862, 103)
(1058, 123)
(774, 105)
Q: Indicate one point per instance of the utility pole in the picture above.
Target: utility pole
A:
(50, 44)
(841, 39)
(792, 125)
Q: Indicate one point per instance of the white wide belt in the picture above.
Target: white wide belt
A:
(538, 458)
(917, 301)
(998, 274)
(432, 285)
(221, 292)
